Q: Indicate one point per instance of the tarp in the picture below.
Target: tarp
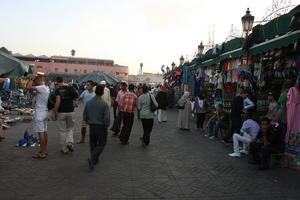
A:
(11, 67)
(276, 43)
(98, 77)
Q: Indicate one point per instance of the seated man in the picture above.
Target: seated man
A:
(248, 132)
(267, 141)
(219, 120)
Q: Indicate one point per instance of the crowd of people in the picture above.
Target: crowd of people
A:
(249, 134)
(96, 99)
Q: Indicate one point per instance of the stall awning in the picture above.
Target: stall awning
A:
(11, 67)
(276, 43)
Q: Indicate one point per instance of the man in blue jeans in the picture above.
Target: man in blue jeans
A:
(218, 121)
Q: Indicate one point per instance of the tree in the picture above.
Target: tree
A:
(278, 8)
(233, 33)
(73, 52)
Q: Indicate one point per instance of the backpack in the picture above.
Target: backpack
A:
(51, 100)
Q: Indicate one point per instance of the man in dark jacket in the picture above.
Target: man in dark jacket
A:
(237, 106)
(98, 122)
(162, 100)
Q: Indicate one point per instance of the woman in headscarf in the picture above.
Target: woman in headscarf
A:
(162, 100)
(184, 105)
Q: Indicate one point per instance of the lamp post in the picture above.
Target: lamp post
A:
(181, 60)
(200, 48)
(173, 65)
(247, 21)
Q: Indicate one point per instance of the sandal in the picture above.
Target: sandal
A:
(39, 156)
(45, 153)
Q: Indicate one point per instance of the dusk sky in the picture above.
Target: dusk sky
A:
(154, 32)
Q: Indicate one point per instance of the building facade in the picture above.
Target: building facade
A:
(74, 65)
(146, 78)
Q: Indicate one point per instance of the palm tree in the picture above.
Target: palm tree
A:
(73, 52)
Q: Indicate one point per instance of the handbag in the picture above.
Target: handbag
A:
(153, 107)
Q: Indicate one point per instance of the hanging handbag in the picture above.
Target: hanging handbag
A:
(153, 107)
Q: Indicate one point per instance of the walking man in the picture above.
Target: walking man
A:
(162, 100)
(118, 121)
(128, 105)
(85, 96)
(96, 113)
(64, 110)
(41, 111)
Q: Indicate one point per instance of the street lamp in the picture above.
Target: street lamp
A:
(173, 65)
(181, 60)
(200, 48)
(247, 21)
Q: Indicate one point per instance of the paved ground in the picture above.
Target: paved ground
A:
(177, 165)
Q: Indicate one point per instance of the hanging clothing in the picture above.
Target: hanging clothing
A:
(293, 112)
(186, 75)
(6, 84)
(197, 84)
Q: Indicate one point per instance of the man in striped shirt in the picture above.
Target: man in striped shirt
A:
(128, 104)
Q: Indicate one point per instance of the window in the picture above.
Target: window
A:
(82, 62)
(91, 63)
(56, 69)
(75, 70)
(117, 73)
(66, 70)
(72, 61)
(39, 67)
(126, 74)
(85, 71)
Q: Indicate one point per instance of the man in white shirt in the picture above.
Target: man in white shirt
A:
(85, 96)
(39, 121)
(106, 95)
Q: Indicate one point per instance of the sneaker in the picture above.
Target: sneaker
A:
(234, 155)
(244, 151)
(212, 137)
(70, 147)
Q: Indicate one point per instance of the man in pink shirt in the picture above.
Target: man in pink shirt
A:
(127, 105)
